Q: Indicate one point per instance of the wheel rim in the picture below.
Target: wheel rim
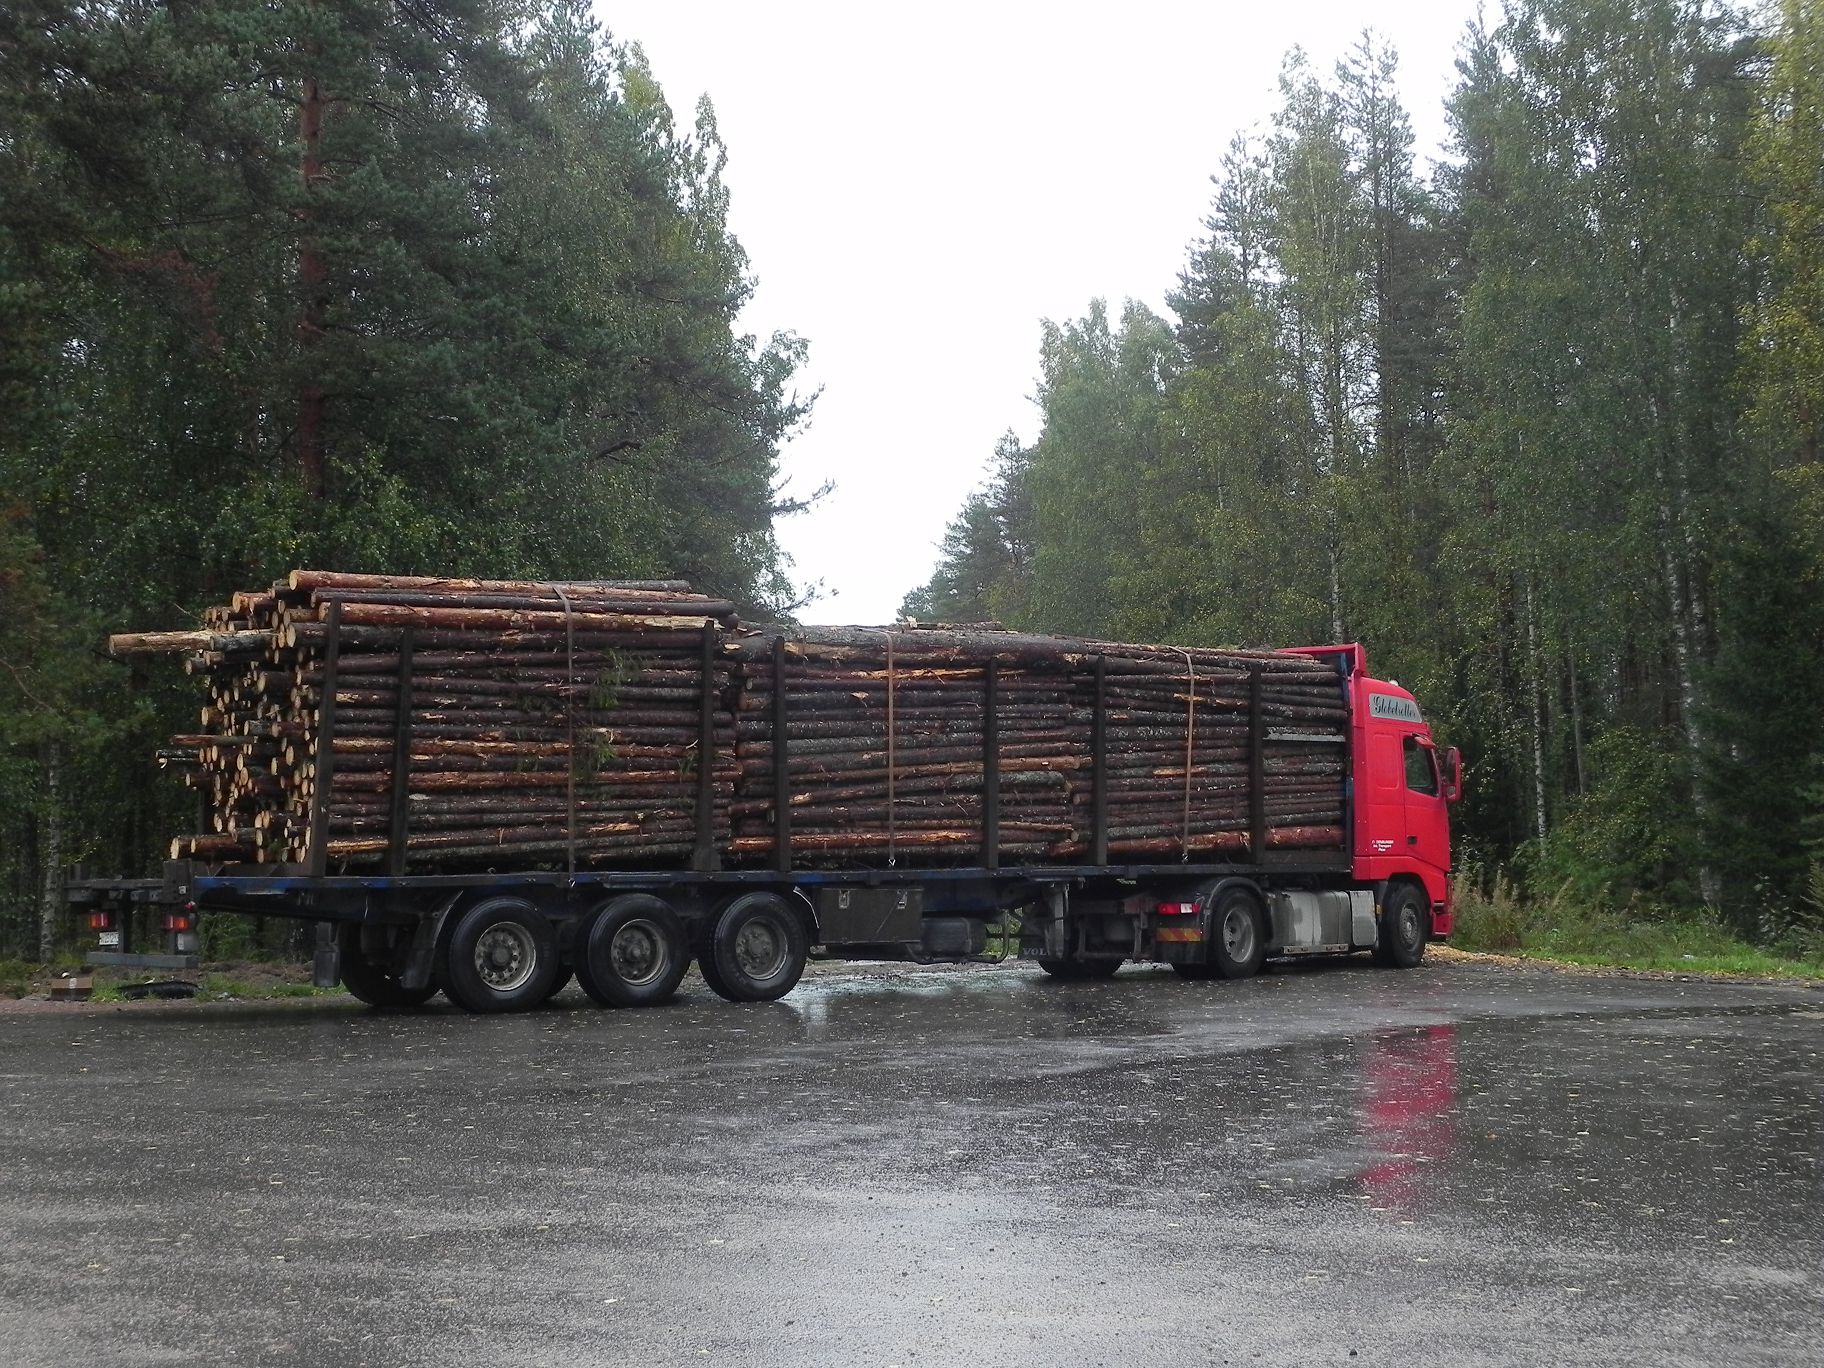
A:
(759, 949)
(638, 954)
(505, 957)
(1238, 934)
(1409, 924)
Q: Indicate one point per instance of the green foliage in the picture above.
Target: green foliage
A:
(497, 285)
(1540, 428)
(1639, 935)
(228, 938)
(232, 986)
(985, 561)
(16, 977)
(1785, 348)
(1766, 716)
(1630, 835)
(511, 282)
(1491, 911)
(1102, 391)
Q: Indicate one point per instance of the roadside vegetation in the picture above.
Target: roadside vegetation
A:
(445, 288)
(238, 980)
(1567, 927)
(1541, 425)
(453, 289)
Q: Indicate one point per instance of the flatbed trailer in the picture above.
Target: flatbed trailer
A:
(507, 940)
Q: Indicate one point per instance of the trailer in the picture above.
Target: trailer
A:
(507, 940)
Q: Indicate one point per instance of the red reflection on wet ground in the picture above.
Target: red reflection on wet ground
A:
(1408, 1113)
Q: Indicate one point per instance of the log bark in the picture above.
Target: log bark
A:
(151, 643)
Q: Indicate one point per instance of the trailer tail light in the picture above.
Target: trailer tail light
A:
(182, 926)
(107, 934)
(1178, 909)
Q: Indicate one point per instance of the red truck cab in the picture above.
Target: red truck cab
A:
(1401, 784)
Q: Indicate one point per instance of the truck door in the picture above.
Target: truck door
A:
(1427, 822)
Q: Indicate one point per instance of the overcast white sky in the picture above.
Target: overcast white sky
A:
(918, 187)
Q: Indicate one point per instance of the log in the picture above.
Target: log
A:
(512, 619)
(157, 643)
(331, 579)
(593, 603)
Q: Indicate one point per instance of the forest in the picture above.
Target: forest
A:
(1539, 424)
(444, 285)
(428, 286)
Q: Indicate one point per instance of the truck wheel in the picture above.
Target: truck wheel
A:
(580, 965)
(634, 952)
(501, 957)
(757, 950)
(706, 966)
(371, 981)
(558, 984)
(1080, 970)
(1238, 937)
(1399, 942)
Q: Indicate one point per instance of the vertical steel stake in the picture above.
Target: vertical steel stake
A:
(704, 859)
(402, 758)
(317, 857)
(1257, 768)
(1098, 747)
(991, 767)
(782, 773)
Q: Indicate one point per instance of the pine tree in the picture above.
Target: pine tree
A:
(390, 288)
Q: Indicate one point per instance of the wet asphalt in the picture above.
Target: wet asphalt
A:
(1461, 1164)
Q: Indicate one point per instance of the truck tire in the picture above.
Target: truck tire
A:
(1399, 941)
(1237, 935)
(757, 949)
(633, 952)
(368, 979)
(501, 957)
(1080, 970)
(706, 966)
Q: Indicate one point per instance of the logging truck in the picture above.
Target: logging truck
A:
(507, 934)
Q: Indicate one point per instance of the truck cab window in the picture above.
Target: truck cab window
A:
(1421, 772)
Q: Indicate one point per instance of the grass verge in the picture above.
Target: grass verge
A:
(1630, 936)
(235, 979)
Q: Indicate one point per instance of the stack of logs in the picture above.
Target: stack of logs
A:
(355, 721)
(888, 730)
(546, 722)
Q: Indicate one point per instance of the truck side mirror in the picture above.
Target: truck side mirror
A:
(1453, 775)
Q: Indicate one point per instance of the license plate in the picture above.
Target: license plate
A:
(110, 939)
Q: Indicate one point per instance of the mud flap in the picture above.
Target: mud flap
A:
(424, 948)
(1060, 943)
